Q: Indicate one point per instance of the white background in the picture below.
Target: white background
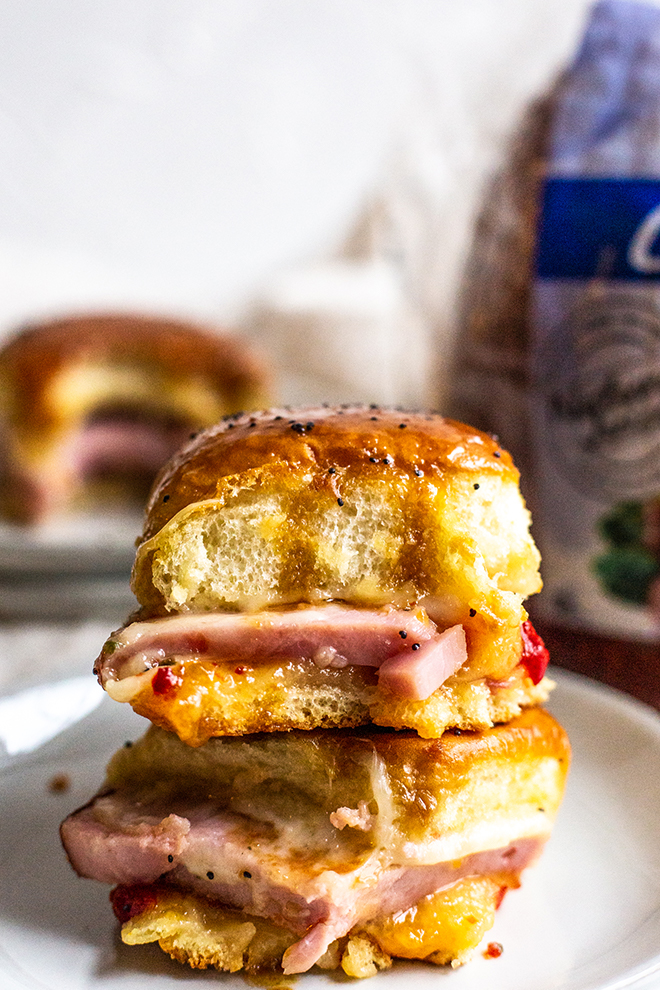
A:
(189, 156)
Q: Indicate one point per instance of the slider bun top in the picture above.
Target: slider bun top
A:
(363, 505)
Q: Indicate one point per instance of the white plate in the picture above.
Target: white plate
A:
(586, 918)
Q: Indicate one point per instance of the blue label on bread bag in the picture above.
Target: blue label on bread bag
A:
(600, 228)
(595, 364)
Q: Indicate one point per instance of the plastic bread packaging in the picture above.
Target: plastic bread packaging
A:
(559, 346)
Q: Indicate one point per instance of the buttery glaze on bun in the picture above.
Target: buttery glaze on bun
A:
(294, 561)
(110, 396)
(327, 848)
(362, 505)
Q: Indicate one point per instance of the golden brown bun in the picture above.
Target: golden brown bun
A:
(360, 505)
(56, 376)
(38, 353)
(212, 699)
(490, 779)
(444, 929)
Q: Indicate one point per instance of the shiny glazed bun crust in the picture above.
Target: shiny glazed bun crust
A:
(524, 762)
(357, 504)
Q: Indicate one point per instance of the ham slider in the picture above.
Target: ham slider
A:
(329, 848)
(330, 568)
(331, 624)
(92, 406)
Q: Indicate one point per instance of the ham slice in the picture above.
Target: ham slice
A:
(398, 889)
(122, 848)
(329, 636)
(418, 673)
(217, 853)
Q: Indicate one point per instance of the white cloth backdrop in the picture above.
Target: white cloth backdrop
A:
(202, 157)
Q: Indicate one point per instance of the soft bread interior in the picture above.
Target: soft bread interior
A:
(86, 385)
(483, 784)
(270, 538)
(221, 699)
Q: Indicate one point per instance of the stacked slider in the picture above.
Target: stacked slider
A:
(347, 761)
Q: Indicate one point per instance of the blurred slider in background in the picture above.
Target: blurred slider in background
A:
(91, 407)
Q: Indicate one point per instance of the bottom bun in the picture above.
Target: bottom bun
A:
(443, 928)
(210, 700)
